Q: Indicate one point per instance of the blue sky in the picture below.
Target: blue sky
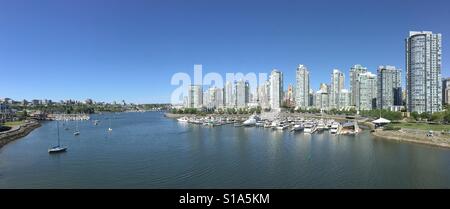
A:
(114, 50)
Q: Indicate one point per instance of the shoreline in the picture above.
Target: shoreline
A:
(410, 138)
(17, 132)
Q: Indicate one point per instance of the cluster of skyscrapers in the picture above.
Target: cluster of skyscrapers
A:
(425, 91)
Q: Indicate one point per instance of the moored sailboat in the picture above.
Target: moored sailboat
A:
(58, 148)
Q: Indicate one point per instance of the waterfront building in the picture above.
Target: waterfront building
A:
(302, 87)
(389, 87)
(337, 84)
(263, 95)
(213, 98)
(354, 74)
(366, 91)
(322, 100)
(276, 89)
(5, 112)
(206, 99)
(344, 99)
(423, 72)
(195, 97)
(289, 96)
(229, 95)
(242, 93)
(446, 91)
(311, 98)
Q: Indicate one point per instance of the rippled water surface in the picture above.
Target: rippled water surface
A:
(146, 150)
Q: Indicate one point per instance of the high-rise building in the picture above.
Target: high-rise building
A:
(276, 89)
(229, 95)
(302, 87)
(321, 100)
(423, 72)
(366, 91)
(242, 93)
(323, 87)
(311, 97)
(206, 99)
(289, 96)
(263, 95)
(337, 84)
(215, 96)
(389, 87)
(195, 97)
(354, 74)
(446, 91)
(344, 99)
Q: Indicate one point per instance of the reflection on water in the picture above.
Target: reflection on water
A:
(146, 150)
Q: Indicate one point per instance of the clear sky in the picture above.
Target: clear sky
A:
(113, 50)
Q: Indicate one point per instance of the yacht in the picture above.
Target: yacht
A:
(309, 128)
(251, 121)
(183, 120)
(282, 126)
(320, 126)
(334, 128)
(297, 127)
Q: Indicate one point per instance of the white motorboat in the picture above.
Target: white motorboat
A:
(309, 128)
(183, 120)
(297, 127)
(251, 121)
(282, 126)
(335, 128)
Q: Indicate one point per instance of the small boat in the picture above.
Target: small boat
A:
(109, 129)
(334, 128)
(251, 121)
(309, 128)
(183, 120)
(95, 122)
(259, 124)
(58, 148)
(282, 126)
(297, 127)
(320, 126)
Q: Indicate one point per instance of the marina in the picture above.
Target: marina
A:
(292, 124)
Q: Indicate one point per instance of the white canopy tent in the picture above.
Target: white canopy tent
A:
(381, 121)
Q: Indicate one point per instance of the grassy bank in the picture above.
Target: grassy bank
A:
(14, 123)
(422, 126)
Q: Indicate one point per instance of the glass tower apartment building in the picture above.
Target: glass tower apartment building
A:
(423, 72)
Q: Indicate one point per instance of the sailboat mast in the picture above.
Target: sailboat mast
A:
(57, 127)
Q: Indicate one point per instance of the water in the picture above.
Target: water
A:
(146, 150)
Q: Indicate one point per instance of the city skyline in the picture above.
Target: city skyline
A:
(67, 58)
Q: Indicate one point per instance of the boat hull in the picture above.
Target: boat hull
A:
(57, 149)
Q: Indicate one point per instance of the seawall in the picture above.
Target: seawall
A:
(17, 132)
